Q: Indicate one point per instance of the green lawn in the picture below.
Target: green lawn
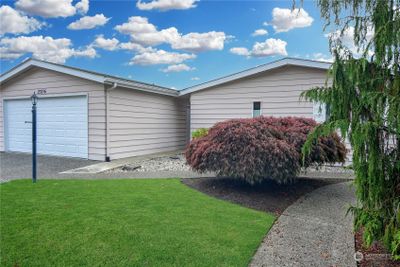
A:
(123, 223)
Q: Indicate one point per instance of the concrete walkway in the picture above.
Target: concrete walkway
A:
(313, 231)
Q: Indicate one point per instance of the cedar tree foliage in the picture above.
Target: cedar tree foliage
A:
(363, 93)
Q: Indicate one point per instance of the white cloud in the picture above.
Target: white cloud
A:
(241, 51)
(135, 47)
(259, 32)
(88, 22)
(145, 33)
(270, 47)
(12, 21)
(195, 78)
(178, 68)
(160, 57)
(112, 44)
(135, 25)
(165, 5)
(200, 41)
(52, 8)
(82, 7)
(6, 54)
(107, 44)
(44, 48)
(347, 39)
(322, 57)
(89, 52)
(284, 19)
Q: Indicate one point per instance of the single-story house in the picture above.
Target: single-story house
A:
(96, 116)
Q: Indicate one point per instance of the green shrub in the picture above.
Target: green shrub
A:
(201, 132)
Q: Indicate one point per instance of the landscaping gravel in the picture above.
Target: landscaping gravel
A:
(330, 169)
(174, 162)
(177, 162)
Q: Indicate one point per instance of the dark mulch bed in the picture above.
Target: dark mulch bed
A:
(269, 196)
(374, 256)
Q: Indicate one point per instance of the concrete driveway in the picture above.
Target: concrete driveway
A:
(19, 165)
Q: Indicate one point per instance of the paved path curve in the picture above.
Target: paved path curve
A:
(313, 231)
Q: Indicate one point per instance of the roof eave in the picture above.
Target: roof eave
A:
(256, 70)
(142, 87)
(58, 68)
(95, 77)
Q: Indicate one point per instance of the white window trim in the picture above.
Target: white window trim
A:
(252, 108)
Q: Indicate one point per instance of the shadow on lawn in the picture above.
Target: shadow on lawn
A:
(268, 196)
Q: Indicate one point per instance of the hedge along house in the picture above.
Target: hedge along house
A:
(96, 116)
(88, 115)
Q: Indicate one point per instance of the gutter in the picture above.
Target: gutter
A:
(142, 87)
(107, 96)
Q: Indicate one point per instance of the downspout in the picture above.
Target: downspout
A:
(107, 90)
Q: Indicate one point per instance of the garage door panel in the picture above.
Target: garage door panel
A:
(16, 129)
(62, 126)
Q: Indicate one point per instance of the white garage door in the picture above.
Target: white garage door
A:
(62, 128)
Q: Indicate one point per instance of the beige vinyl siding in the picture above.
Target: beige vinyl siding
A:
(143, 123)
(2, 146)
(61, 84)
(278, 91)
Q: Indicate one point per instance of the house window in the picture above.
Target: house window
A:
(327, 112)
(320, 112)
(256, 109)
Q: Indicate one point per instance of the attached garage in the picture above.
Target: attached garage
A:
(63, 124)
(88, 115)
(96, 116)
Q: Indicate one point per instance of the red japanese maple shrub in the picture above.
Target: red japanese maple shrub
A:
(261, 148)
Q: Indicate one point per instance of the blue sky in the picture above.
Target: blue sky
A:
(195, 41)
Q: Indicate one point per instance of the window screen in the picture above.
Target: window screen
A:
(256, 109)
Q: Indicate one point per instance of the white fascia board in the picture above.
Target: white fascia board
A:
(252, 71)
(86, 75)
(58, 68)
(142, 87)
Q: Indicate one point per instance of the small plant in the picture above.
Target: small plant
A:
(395, 246)
(201, 132)
(261, 148)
